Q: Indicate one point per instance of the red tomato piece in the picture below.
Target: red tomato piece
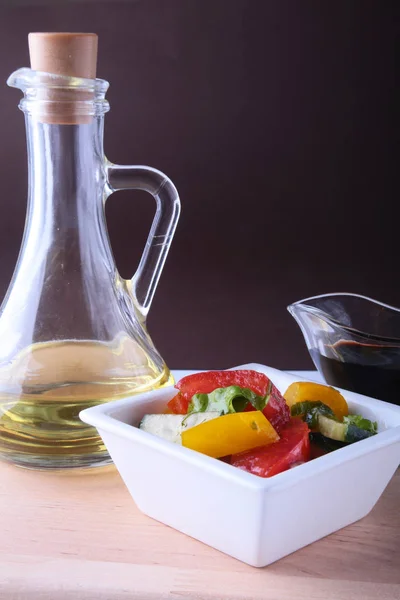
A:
(178, 405)
(276, 411)
(204, 383)
(293, 447)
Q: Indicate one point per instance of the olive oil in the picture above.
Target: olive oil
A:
(40, 401)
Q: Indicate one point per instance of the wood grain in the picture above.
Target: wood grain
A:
(82, 537)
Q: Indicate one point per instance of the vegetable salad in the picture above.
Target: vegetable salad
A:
(240, 417)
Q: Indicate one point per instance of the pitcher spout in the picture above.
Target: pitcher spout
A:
(26, 78)
(363, 316)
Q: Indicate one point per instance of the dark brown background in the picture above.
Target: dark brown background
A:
(274, 119)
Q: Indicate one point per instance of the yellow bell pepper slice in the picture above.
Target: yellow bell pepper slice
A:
(303, 391)
(229, 434)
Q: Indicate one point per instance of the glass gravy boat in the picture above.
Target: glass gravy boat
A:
(354, 342)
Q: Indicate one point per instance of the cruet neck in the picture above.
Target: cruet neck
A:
(60, 99)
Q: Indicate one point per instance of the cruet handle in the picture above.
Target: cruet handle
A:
(145, 280)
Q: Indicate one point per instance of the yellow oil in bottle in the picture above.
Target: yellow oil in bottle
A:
(45, 388)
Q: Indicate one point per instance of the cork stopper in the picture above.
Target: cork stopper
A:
(70, 54)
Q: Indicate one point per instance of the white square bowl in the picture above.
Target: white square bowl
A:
(252, 519)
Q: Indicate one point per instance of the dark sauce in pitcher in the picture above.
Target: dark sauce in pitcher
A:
(369, 369)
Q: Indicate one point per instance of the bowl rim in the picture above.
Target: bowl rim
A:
(103, 418)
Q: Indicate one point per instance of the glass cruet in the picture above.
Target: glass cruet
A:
(72, 330)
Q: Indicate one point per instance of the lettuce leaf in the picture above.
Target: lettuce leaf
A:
(310, 411)
(362, 423)
(226, 400)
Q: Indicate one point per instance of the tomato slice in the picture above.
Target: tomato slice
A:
(178, 405)
(276, 411)
(293, 447)
(204, 383)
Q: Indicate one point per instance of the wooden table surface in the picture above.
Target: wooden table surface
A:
(81, 537)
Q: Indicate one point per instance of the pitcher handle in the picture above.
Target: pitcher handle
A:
(138, 177)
